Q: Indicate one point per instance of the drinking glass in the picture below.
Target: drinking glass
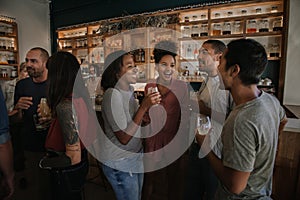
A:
(203, 124)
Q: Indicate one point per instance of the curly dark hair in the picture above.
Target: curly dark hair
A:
(163, 48)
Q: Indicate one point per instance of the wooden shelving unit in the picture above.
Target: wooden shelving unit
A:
(9, 50)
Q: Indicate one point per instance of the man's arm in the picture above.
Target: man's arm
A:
(235, 181)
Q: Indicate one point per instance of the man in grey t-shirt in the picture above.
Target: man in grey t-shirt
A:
(250, 133)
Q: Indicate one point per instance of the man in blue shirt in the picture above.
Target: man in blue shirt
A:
(6, 153)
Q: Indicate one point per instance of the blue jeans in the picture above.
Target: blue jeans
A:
(127, 186)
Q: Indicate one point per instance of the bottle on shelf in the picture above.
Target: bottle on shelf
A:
(194, 17)
(277, 24)
(203, 17)
(186, 71)
(186, 32)
(217, 29)
(244, 12)
(189, 52)
(275, 50)
(226, 28)
(263, 25)
(251, 26)
(142, 55)
(258, 10)
(186, 19)
(195, 31)
(93, 58)
(204, 30)
(236, 27)
(14, 73)
(217, 15)
(229, 14)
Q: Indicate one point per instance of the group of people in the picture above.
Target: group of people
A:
(148, 151)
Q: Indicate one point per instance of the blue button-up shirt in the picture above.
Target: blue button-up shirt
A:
(4, 124)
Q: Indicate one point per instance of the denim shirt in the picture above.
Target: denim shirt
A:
(4, 125)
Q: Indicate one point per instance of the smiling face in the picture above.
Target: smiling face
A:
(208, 59)
(35, 64)
(128, 72)
(166, 68)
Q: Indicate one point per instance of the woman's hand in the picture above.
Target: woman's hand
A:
(150, 100)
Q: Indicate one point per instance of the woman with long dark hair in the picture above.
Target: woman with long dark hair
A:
(69, 102)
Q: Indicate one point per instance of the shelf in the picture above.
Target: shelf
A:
(100, 39)
(247, 17)
(9, 48)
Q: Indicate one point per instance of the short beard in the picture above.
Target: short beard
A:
(34, 74)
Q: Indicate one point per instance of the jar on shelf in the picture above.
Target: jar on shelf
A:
(244, 12)
(226, 28)
(274, 9)
(258, 10)
(2, 44)
(229, 14)
(203, 16)
(251, 26)
(10, 30)
(217, 29)
(186, 31)
(4, 73)
(263, 25)
(277, 24)
(195, 31)
(194, 17)
(14, 73)
(186, 19)
(275, 50)
(189, 52)
(236, 27)
(204, 30)
(217, 15)
(11, 59)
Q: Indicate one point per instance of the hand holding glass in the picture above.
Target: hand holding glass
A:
(203, 124)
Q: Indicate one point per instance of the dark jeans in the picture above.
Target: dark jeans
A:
(68, 183)
(15, 125)
(201, 182)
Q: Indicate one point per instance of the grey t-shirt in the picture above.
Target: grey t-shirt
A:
(249, 139)
(118, 109)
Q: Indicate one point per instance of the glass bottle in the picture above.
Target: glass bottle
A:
(263, 25)
(226, 28)
(217, 29)
(274, 9)
(195, 31)
(186, 32)
(277, 24)
(258, 10)
(251, 26)
(244, 12)
(229, 14)
(204, 30)
(195, 17)
(217, 15)
(203, 16)
(44, 109)
(189, 52)
(236, 27)
(186, 19)
(275, 50)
